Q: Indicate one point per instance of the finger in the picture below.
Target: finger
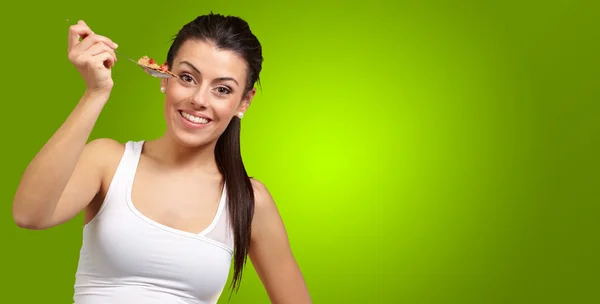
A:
(100, 47)
(76, 31)
(104, 59)
(93, 39)
(82, 23)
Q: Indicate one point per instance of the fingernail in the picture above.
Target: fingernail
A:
(116, 45)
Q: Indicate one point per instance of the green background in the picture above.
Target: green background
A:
(419, 152)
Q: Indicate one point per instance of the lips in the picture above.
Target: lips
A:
(194, 118)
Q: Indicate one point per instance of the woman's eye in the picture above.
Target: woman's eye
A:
(186, 78)
(223, 90)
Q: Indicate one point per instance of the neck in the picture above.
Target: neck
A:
(173, 154)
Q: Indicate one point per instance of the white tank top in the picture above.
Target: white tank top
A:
(128, 258)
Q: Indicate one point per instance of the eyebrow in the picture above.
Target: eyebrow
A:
(198, 71)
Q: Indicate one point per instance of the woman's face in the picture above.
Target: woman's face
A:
(208, 93)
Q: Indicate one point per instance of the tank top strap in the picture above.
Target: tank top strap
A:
(134, 152)
(129, 162)
(124, 173)
(220, 230)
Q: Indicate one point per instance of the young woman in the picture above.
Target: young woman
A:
(164, 218)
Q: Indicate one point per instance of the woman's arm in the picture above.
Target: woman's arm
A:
(271, 254)
(65, 176)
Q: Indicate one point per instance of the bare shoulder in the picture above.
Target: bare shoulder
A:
(267, 223)
(104, 145)
(262, 197)
(105, 153)
(102, 148)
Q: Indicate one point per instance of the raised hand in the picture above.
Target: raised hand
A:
(93, 55)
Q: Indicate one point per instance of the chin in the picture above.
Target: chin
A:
(189, 140)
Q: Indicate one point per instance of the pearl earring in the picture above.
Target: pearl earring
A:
(240, 115)
(162, 89)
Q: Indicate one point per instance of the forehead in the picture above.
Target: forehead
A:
(211, 61)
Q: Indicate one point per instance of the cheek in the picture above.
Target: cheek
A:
(225, 109)
(171, 104)
(168, 104)
(174, 95)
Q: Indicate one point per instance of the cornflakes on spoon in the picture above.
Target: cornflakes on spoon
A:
(152, 68)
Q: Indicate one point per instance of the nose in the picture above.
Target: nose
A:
(200, 98)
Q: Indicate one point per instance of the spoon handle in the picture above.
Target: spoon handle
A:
(116, 52)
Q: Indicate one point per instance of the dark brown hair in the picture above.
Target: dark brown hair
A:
(230, 33)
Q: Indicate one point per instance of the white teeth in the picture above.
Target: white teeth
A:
(193, 118)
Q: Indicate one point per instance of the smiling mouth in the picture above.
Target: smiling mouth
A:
(194, 119)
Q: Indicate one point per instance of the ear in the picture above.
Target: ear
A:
(246, 101)
(163, 85)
